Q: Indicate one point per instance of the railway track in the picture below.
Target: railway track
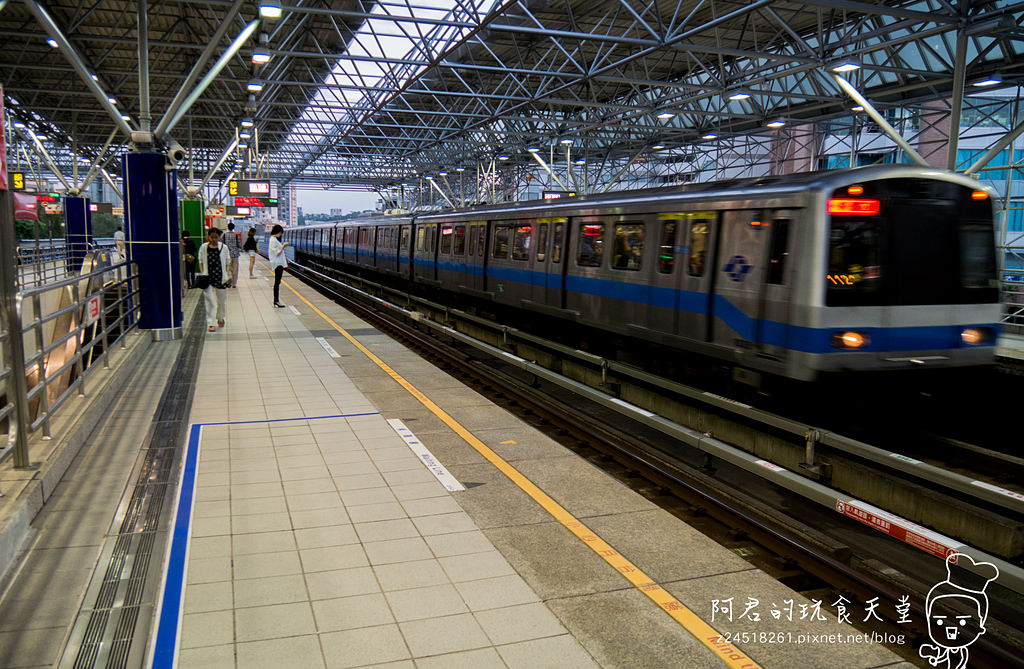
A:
(801, 542)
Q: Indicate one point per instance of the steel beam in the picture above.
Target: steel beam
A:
(877, 118)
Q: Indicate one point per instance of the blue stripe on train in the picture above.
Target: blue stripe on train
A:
(773, 333)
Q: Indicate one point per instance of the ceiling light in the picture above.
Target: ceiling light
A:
(254, 86)
(260, 56)
(858, 108)
(846, 66)
(776, 124)
(739, 95)
(19, 125)
(111, 99)
(666, 114)
(405, 183)
(709, 135)
(991, 80)
(503, 157)
(581, 161)
(94, 77)
(443, 174)
(567, 140)
(243, 145)
(269, 9)
(52, 42)
(428, 177)
(244, 134)
(40, 137)
(125, 117)
(246, 123)
(658, 146)
(533, 149)
(457, 169)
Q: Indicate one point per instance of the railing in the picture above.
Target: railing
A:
(41, 261)
(1011, 295)
(62, 362)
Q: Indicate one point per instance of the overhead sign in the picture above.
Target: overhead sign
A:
(117, 211)
(248, 187)
(48, 197)
(255, 201)
(17, 181)
(101, 208)
(556, 194)
(238, 211)
(50, 208)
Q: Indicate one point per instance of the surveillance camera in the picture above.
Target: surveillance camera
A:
(175, 152)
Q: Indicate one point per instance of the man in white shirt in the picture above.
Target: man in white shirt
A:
(119, 242)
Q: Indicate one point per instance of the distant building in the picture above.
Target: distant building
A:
(337, 212)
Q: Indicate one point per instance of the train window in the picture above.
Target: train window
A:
(521, 242)
(501, 237)
(472, 239)
(556, 244)
(591, 245)
(542, 242)
(481, 242)
(420, 236)
(778, 252)
(699, 230)
(405, 237)
(446, 239)
(667, 248)
(459, 243)
(628, 244)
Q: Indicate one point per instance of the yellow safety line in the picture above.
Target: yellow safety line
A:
(693, 623)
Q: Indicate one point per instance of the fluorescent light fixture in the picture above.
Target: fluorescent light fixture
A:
(739, 95)
(260, 56)
(111, 99)
(533, 149)
(52, 42)
(457, 169)
(581, 161)
(94, 77)
(243, 145)
(428, 177)
(776, 124)
(846, 66)
(991, 80)
(254, 86)
(269, 9)
(246, 123)
(858, 108)
(245, 134)
(125, 117)
(405, 183)
(666, 114)
(658, 146)
(567, 140)
(502, 157)
(709, 135)
(19, 125)
(40, 137)
(442, 174)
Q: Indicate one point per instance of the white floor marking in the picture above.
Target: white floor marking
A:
(450, 483)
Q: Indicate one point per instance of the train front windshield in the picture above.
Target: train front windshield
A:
(910, 241)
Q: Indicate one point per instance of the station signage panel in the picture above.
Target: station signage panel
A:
(51, 208)
(556, 194)
(248, 188)
(255, 202)
(16, 180)
(48, 197)
(238, 211)
(101, 208)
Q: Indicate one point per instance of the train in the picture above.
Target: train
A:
(888, 267)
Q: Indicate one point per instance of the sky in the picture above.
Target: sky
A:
(322, 201)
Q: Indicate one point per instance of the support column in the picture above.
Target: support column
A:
(77, 232)
(154, 242)
(193, 219)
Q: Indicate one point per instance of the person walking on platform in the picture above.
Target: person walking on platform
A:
(277, 260)
(234, 243)
(213, 270)
(119, 242)
(188, 254)
(250, 247)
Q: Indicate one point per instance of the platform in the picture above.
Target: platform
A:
(311, 533)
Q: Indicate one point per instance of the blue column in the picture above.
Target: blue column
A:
(153, 239)
(77, 231)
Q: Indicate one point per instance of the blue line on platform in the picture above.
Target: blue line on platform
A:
(173, 599)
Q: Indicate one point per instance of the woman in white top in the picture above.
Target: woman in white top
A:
(277, 260)
(213, 258)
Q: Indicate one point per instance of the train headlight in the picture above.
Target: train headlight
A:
(850, 340)
(975, 336)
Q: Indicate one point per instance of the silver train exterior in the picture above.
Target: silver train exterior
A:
(876, 268)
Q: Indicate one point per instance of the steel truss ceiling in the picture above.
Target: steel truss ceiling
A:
(487, 77)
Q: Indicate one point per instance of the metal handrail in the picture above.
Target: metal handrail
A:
(118, 316)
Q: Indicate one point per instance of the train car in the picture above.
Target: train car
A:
(877, 268)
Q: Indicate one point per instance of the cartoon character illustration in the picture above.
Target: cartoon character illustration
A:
(953, 629)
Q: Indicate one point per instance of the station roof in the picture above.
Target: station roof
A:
(364, 92)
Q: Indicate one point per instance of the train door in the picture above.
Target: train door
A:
(739, 277)
(478, 242)
(775, 315)
(404, 239)
(547, 270)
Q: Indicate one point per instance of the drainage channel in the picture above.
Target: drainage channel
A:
(113, 625)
